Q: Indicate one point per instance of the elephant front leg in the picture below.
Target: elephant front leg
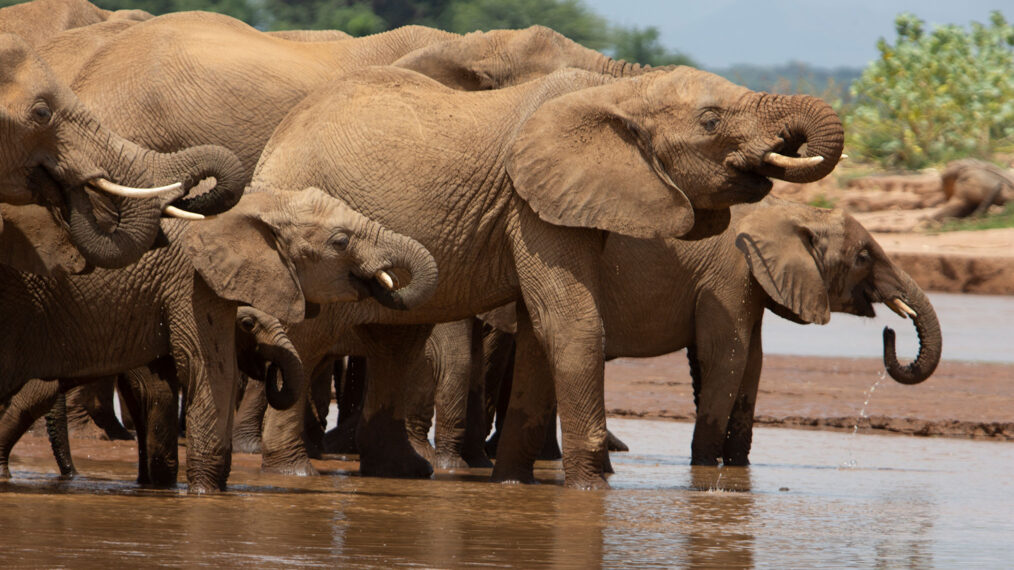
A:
(283, 448)
(397, 355)
(31, 402)
(59, 439)
(458, 393)
(739, 432)
(717, 368)
(246, 434)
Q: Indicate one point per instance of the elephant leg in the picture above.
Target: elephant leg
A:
(550, 446)
(246, 433)
(473, 446)
(151, 394)
(315, 420)
(529, 410)
(202, 338)
(739, 433)
(31, 402)
(989, 200)
(350, 391)
(717, 364)
(499, 350)
(397, 355)
(59, 439)
(419, 403)
(457, 386)
(91, 412)
(283, 445)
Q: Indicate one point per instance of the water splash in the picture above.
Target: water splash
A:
(851, 463)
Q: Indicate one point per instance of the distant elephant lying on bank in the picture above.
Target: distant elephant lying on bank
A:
(515, 192)
(798, 261)
(281, 254)
(972, 186)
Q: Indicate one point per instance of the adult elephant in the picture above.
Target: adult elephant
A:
(58, 154)
(800, 262)
(971, 186)
(280, 254)
(39, 20)
(514, 191)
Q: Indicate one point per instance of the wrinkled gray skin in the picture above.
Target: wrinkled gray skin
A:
(277, 253)
(801, 262)
(511, 190)
(39, 20)
(55, 148)
(972, 186)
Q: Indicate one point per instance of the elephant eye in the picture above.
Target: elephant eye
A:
(710, 123)
(247, 324)
(863, 258)
(340, 241)
(41, 113)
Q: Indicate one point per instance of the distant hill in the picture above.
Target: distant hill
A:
(795, 77)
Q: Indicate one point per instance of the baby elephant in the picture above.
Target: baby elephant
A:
(972, 186)
(709, 297)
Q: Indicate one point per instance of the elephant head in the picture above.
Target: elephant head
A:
(812, 261)
(501, 58)
(278, 251)
(638, 155)
(55, 153)
(265, 353)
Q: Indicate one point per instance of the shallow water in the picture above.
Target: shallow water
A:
(975, 328)
(907, 502)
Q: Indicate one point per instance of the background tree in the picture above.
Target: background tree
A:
(931, 97)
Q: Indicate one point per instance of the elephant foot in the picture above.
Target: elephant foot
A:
(512, 475)
(592, 483)
(162, 474)
(384, 450)
(64, 475)
(5, 472)
(477, 459)
(341, 439)
(736, 460)
(703, 461)
(246, 444)
(296, 468)
(614, 443)
(423, 448)
(450, 460)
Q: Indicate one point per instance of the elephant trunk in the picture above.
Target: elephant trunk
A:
(927, 328)
(284, 374)
(134, 222)
(803, 119)
(401, 252)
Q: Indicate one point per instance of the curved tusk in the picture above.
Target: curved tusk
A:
(899, 306)
(128, 192)
(174, 212)
(783, 161)
(386, 279)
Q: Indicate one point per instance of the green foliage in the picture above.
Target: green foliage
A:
(931, 97)
(822, 201)
(795, 77)
(642, 46)
(569, 17)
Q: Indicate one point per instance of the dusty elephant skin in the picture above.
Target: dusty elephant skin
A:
(59, 155)
(515, 209)
(972, 186)
(276, 253)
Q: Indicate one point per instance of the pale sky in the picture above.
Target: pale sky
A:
(719, 33)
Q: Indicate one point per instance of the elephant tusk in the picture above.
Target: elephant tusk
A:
(128, 192)
(174, 212)
(900, 307)
(783, 161)
(386, 279)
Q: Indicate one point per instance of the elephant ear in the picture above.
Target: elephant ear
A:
(580, 160)
(33, 242)
(779, 251)
(458, 63)
(238, 255)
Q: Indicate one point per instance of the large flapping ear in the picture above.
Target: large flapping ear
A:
(32, 241)
(779, 250)
(238, 255)
(580, 160)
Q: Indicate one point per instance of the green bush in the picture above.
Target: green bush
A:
(931, 97)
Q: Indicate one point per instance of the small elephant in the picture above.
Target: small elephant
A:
(515, 192)
(798, 261)
(281, 254)
(972, 186)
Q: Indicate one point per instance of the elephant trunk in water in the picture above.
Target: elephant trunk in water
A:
(913, 304)
(134, 222)
(395, 251)
(802, 119)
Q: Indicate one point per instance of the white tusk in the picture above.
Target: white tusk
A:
(385, 278)
(899, 306)
(128, 192)
(789, 161)
(174, 212)
(843, 156)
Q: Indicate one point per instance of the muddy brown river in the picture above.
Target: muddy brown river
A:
(813, 499)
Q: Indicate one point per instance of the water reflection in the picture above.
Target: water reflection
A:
(721, 508)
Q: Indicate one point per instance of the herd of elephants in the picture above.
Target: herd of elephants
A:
(210, 215)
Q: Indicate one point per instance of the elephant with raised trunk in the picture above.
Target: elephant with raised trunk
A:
(108, 192)
(515, 192)
(281, 254)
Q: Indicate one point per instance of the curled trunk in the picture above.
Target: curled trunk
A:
(409, 255)
(284, 374)
(808, 120)
(930, 339)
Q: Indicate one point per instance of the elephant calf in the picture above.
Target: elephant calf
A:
(972, 186)
(798, 261)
